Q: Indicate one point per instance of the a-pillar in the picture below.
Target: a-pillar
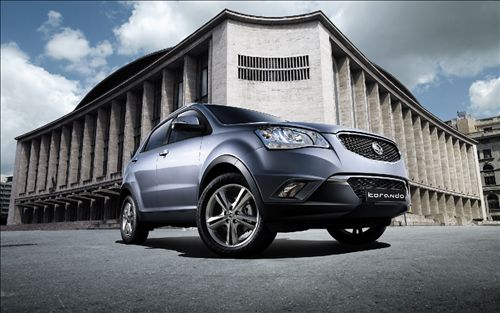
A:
(41, 180)
(64, 155)
(411, 160)
(167, 93)
(426, 135)
(375, 109)
(419, 149)
(361, 101)
(416, 204)
(55, 140)
(18, 183)
(189, 79)
(147, 108)
(458, 165)
(87, 169)
(443, 153)
(452, 163)
(399, 129)
(76, 139)
(387, 120)
(129, 124)
(33, 165)
(436, 155)
(345, 104)
(114, 130)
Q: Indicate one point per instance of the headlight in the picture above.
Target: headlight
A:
(279, 137)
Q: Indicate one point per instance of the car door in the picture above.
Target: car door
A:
(145, 166)
(177, 171)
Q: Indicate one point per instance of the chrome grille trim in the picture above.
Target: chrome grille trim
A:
(362, 144)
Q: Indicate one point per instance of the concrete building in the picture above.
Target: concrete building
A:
(298, 67)
(5, 190)
(486, 132)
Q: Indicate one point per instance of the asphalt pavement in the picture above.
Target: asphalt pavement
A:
(410, 269)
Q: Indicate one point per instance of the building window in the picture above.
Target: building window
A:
(487, 129)
(156, 103)
(121, 136)
(203, 78)
(92, 144)
(486, 153)
(493, 204)
(107, 120)
(489, 175)
(58, 149)
(138, 120)
(68, 153)
(273, 69)
(204, 84)
(178, 89)
(80, 149)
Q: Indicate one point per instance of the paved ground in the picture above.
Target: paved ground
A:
(446, 269)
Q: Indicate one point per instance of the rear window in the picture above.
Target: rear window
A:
(232, 115)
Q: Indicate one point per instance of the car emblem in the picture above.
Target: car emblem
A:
(377, 148)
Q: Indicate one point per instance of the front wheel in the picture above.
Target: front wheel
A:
(357, 235)
(228, 219)
(132, 231)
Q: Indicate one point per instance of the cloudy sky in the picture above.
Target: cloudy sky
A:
(52, 53)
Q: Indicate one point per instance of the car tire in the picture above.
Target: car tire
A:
(228, 219)
(131, 229)
(357, 235)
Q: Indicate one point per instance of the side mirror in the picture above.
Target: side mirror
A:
(187, 123)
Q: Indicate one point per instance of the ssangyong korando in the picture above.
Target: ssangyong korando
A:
(241, 176)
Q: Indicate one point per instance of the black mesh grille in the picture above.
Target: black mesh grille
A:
(360, 184)
(362, 145)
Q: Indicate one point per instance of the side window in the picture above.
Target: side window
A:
(180, 134)
(159, 137)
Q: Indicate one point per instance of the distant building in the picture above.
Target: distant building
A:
(487, 132)
(5, 190)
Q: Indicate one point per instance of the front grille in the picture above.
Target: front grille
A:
(362, 145)
(360, 184)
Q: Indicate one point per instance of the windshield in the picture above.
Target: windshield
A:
(232, 115)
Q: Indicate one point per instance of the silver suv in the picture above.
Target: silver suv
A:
(241, 176)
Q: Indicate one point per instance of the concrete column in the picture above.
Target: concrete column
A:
(426, 135)
(399, 129)
(467, 210)
(361, 101)
(189, 79)
(76, 139)
(416, 203)
(33, 165)
(451, 162)
(55, 141)
(64, 156)
(443, 153)
(114, 124)
(450, 206)
(474, 176)
(102, 127)
(419, 149)
(345, 104)
(436, 158)
(375, 109)
(147, 108)
(167, 93)
(479, 183)
(411, 161)
(88, 137)
(458, 165)
(465, 169)
(42, 163)
(387, 120)
(425, 200)
(459, 207)
(441, 198)
(129, 124)
(433, 202)
(476, 209)
(18, 182)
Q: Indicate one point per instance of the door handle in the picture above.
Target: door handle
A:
(164, 153)
(134, 160)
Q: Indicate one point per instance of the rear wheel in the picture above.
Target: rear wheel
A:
(132, 231)
(228, 219)
(357, 235)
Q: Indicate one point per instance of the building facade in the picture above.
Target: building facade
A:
(299, 68)
(5, 190)
(486, 132)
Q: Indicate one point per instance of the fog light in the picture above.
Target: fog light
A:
(290, 190)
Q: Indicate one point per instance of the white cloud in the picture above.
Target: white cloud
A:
(30, 97)
(485, 97)
(69, 44)
(53, 22)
